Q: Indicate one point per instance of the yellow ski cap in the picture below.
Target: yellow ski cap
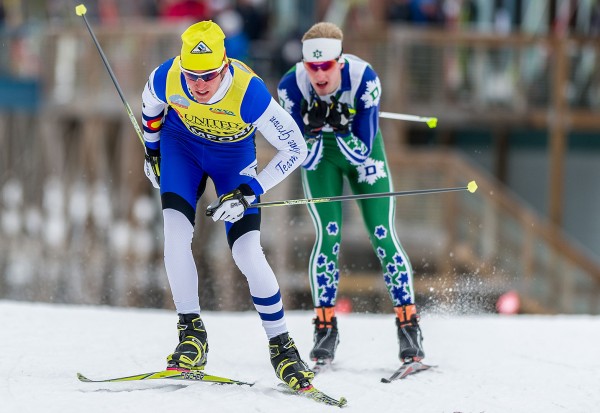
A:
(203, 46)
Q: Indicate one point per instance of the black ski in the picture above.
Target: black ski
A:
(406, 369)
(322, 366)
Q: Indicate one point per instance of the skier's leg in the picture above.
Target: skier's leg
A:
(182, 180)
(323, 272)
(379, 218)
(264, 289)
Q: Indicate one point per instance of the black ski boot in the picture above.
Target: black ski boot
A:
(287, 363)
(326, 339)
(190, 353)
(409, 334)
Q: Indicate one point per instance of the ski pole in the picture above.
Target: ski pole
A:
(471, 187)
(81, 10)
(430, 121)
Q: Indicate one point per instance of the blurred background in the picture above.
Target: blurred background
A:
(515, 85)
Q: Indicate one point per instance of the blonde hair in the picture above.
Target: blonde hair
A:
(324, 30)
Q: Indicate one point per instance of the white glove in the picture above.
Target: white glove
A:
(151, 169)
(231, 206)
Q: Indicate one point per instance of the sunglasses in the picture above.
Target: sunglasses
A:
(206, 76)
(324, 66)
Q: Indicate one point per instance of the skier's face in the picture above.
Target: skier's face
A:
(325, 77)
(203, 84)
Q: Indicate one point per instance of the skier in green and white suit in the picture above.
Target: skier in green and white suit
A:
(334, 98)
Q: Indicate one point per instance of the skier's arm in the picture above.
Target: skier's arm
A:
(356, 142)
(153, 107)
(153, 112)
(279, 129)
(365, 123)
(291, 99)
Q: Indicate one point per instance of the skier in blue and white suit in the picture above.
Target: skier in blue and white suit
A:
(200, 114)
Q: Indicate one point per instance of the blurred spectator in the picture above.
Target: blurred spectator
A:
(100, 11)
(236, 40)
(418, 12)
(254, 18)
(452, 12)
(460, 14)
(138, 9)
(469, 13)
(2, 15)
(426, 12)
(55, 11)
(196, 10)
(290, 52)
(108, 11)
(595, 20)
(502, 20)
(399, 11)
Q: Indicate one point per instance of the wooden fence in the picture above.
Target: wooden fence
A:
(80, 224)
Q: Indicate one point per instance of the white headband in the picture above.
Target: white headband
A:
(321, 50)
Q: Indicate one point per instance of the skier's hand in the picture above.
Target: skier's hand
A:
(231, 206)
(152, 167)
(314, 116)
(339, 116)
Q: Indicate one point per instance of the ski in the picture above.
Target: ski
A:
(321, 366)
(195, 375)
(315, 394)
(406, 369)
(310, 393)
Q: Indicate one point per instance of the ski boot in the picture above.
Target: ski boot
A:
(409, 334)
(190, 353)
(326, 336)
(287, 363)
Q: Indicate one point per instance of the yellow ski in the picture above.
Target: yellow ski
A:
(194, 375)
(315, 394)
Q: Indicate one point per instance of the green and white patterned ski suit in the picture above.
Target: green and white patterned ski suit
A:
(358, 157)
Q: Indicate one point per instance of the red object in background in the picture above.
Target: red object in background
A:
(343, 305)
(508, 303)
(194, 9)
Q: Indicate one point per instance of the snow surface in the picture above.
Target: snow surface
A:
(486, 363)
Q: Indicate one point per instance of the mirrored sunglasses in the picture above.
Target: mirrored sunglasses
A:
(324, 66)
(206, 76)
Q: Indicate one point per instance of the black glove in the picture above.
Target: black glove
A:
(232, 205)
(152, 166)
(314, 116)
(339, 116)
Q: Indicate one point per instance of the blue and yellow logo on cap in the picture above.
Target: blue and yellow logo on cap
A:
(203, 46)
